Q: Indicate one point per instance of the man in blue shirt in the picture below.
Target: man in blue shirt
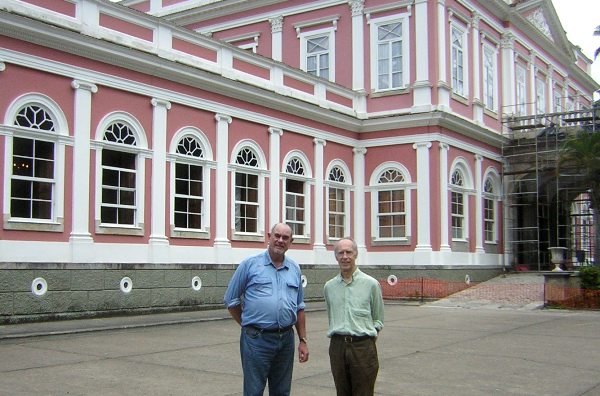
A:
(265, 297)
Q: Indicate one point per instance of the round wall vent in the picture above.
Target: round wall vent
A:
(196, 283)
(39, 286)
(126, 284)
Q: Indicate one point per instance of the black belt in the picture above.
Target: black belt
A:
(273, 330)
(350, 338)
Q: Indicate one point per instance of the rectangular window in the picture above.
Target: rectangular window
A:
(118, 188)
(32, 181)
(557, 101)
(246, 202)
(489, 220)
(295, 206)
(391, 215)
(458, 216)
(521, 109)
(458, 61)
(337, 215)
(317, 56)
(389, 56)
(189, 201)
(489, 78)
(540, 96)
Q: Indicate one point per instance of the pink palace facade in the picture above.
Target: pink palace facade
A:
(147, 146)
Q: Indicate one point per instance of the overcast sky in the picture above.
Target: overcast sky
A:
(579, 19)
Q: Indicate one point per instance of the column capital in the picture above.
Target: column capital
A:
(223, 117)
(161, 103)
(357, 6)
(276, 24)
(478, 157)
(321, 142)
(421, 145)
(275, 131)
(444, 146)
(359, 150)
(85, 85)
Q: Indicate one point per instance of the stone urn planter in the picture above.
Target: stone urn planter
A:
(557, 256)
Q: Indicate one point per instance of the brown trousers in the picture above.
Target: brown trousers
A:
(354, 365)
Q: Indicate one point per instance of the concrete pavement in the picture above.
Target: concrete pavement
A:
(424, 350)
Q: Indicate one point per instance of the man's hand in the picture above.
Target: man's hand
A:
(302, 352)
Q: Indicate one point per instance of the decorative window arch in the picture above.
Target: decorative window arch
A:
(390, 187)
(191, 160)
(121, 150)
(338, 183)
(297, 177)
(491, 196)
(460, 184)
(37, 133)
(248, 165)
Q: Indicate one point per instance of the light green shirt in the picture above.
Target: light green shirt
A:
(354, 308)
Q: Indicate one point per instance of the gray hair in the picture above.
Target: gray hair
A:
(354, 246)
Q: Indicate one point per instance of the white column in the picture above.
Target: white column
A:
(274, 185)
(550, 90)
(478, 205)
(423, 197)
(422, 85)
(222, 186)
(358, 45)
(359, 202)
(159, 178)
(277, 38)
(532, 88)
(443, 86)
(444, 224)
(476, 72)
(81, 168)
(319, 220)
(509, 96)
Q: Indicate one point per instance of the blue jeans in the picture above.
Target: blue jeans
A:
(267, 357)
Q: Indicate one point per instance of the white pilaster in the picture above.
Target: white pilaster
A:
(478, 205)
(274, 185)
(509, 96)
(277, 37)
(532, 88)
(423, 197)
(477, 104)
(80, 233)
(319, 220)
(550, 90)
(422, 85)
(444, 225)
(222, 209)
(358, 45)
(360, 222)
(443, 86)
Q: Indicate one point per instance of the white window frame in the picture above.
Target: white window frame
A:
(460, 165)
(464, 92)
(207, 163)
(310, 34)
(490, 70)
(140, 150)
(492, 176)
(345, 187)
(260, 172)
(59, 137)
(540, 95)
(557, 99)
(375, 187)
(307, 180)
(375, 23)
(521, 90)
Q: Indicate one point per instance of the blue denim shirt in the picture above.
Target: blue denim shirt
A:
(270, 297)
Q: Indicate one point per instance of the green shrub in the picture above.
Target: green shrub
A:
(590, 278)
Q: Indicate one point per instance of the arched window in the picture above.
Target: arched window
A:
(296, 194)
(34, 171)
(338, 201)
(460, 185)
(489, 211)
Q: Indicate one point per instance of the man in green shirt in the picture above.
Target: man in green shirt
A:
(355, 311)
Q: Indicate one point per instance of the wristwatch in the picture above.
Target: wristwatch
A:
(304, 340)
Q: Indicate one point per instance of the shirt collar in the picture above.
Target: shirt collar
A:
(268, 261)
(356, 271)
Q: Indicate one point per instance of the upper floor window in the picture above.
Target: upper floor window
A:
(248, 190)
(296, 190)
(34, 161)
(338, 202)
(489, 77)
(317, 55)
(557, 101)
(540, 96)
(389, 52)
(521, 91)
(458, 59)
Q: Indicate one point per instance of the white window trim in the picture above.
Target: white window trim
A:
(250, 41)
(308, 181)
(406, 56)
(493, 50)
(60, 137)
(346, 186)
(521, 102)
(142, 152)
(259, 171)
(207, 164)
(307, 35)
(466, 190)
(375, 187)
(465, 51)
(494, 176)
(541, 101)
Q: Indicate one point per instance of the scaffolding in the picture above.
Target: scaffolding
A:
(546, 206)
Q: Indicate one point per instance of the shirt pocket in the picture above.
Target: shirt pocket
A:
(292, 289)
(263, 286)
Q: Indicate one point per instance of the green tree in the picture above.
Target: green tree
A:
(581, 152)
